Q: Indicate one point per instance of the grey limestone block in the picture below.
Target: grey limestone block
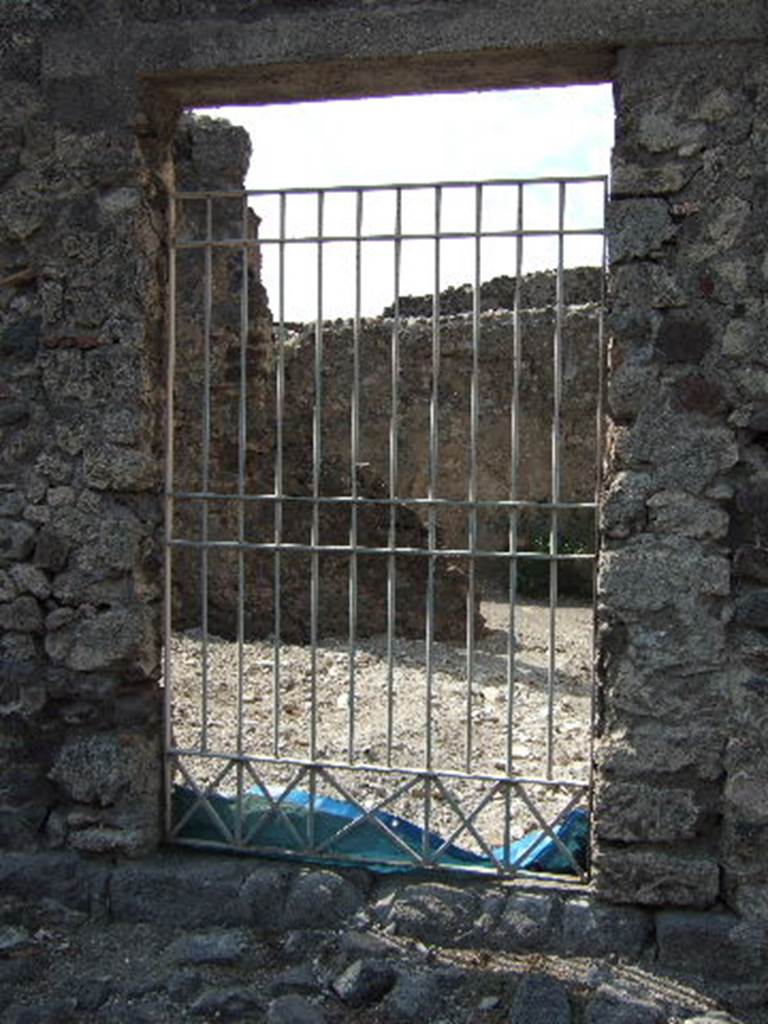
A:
(600, 929)
(653, 573)
(687, 451)
(100, 768)
(321, 899)
(638, 228)
(263, 895)
(364, 982)
(631, 179)
(656, 878)
(528, 923)
(220, 947)
(632, 812)
(434, 912)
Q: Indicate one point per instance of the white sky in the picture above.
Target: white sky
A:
(450, 137)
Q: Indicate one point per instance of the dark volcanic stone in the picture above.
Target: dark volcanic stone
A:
(294, 1010)
(598, 929)
(696, 393)
(13, 412)
(752, 562)
(186, 898)
(42, 1013)
(413, 999)
(540, 1000)
(51, 551)
(364, 982)
(682, 341)
(716, 945)
(263, 895)
(20, 340)
(226, 1003)
(752, 609)
(753, 499)
(184, 985)
(527, 923)
(321, 899)
(210, 948)
(611, 1006)
(16, 541)
(299, 980)
(93, 993)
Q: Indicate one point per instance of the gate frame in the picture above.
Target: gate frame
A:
(511, 785)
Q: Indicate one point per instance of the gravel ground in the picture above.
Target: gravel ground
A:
(59, 967)
(451, 703)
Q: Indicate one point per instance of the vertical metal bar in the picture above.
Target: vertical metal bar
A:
(393, 460)
(279, 414)
(317, 426)
(432, 522)
(312, 797)
(242, 440)
(474, 403)
(557, 386)
(425, 847)
(354, 459)
(170, 373)
(206, 441)
(514, 466)
(432, 485)
(598, 493)
(506, 860)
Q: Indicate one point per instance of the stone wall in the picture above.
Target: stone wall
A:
(213, 155)
(89, 99)
(82, 222)
(578, 423)
(682, 755)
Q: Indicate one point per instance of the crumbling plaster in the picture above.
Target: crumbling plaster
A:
(90, 94)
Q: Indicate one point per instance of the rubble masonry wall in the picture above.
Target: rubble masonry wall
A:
(89, 99)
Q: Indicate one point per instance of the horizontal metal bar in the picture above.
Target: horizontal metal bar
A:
(349, 499)
(420, 236)
(575, 179)
(441, 773)
(347, 549)
(563, 881)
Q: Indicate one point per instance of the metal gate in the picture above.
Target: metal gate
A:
(373, 536)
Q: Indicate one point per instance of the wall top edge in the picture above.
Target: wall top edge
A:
(564, 35)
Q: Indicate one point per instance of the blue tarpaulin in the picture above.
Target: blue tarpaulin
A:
(280, 824)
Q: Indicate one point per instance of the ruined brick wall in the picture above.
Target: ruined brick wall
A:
(90, 93)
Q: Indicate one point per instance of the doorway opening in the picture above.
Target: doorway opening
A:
(381, 525)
